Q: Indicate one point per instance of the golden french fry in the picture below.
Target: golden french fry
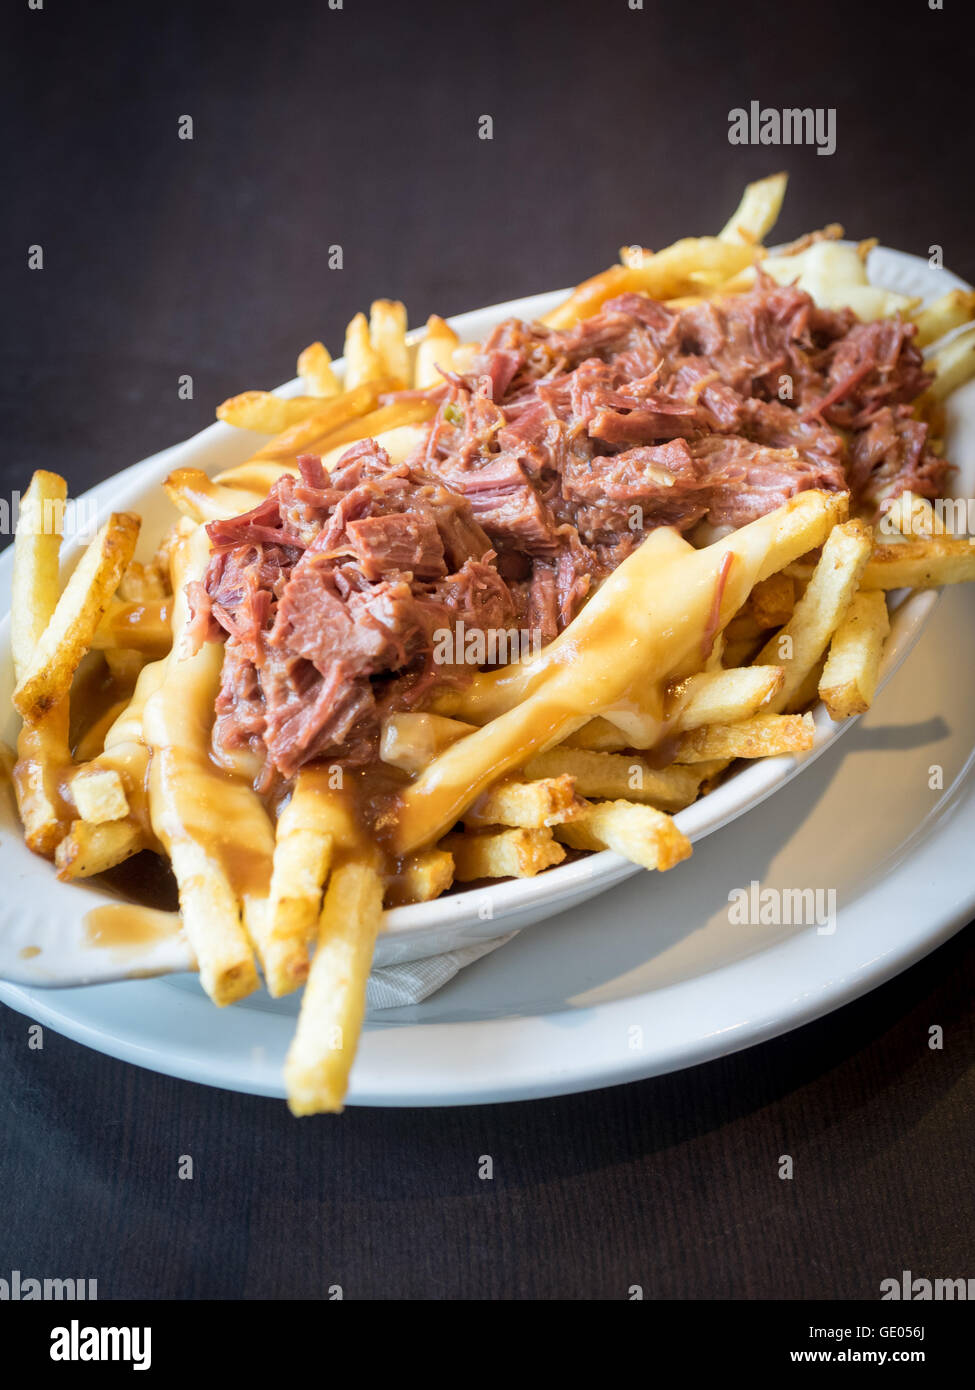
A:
(144, 583)
(201, 499)
(531, 805)
(410, 741)
(306, 434)
(798, 646)
(320, 1058)
(363, 363)
(92, 741)
(589, 297)
(43, 757)
(307, 830)
(636, 622)
(37, 547)
(256, 475)
(518, 853)
(943, 316)
(211, 918)
(315, 370)
(953, 365)
(387, 331)
(617, 776)
(762, 736)
(598, 734)
(435, 351)
(214, 828)
(383, 421)
(773, 600)
(758, 211)
(99, 795)
(677, 269)
(43, 762)
(266, 413)
(92, 849)
(723, 696)
(849, 677)
(54, 660)
(921, 564)
(421, 878)
(142, 627)
(641, 834)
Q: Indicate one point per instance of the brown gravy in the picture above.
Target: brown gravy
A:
(124, 928)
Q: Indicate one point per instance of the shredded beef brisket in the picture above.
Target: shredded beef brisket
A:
(541, 471)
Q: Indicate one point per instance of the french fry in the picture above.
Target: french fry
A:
(762, 736)
(37, 548)
(641, 834)
(531, 805)
(758, 211)
(142, 627)
(599, 735)
(921, 564)
(378, 422)
(266, 413)
(435, 351)
(301, 438)
(92, 741)
(93, 849)
(363, 363)
(48, 674)
(315, 370)
(43, 756)
(99, 795)
(617, 776)
(320, 1058)
(772, 601)
(421, 878)
(849, 677)
(43, 760)
(206, 822)
(201, 499)
(943, 316)
(589, 297)
(256, 475)
(302, 857)
(798, 646)
(410, 741)
(518, 853)
(953, 365)
(387, 331)
(722, 697)
(634, 622)
(144, 583)
(679, 268)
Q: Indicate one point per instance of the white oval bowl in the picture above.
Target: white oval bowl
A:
(43, 941)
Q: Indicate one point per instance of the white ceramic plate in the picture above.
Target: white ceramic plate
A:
(43, 941)
(653, 977)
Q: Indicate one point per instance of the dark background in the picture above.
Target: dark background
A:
(209, 257)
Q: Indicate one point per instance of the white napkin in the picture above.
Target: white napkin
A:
(394, 986)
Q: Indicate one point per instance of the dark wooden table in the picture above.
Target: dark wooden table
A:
(358, 127)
